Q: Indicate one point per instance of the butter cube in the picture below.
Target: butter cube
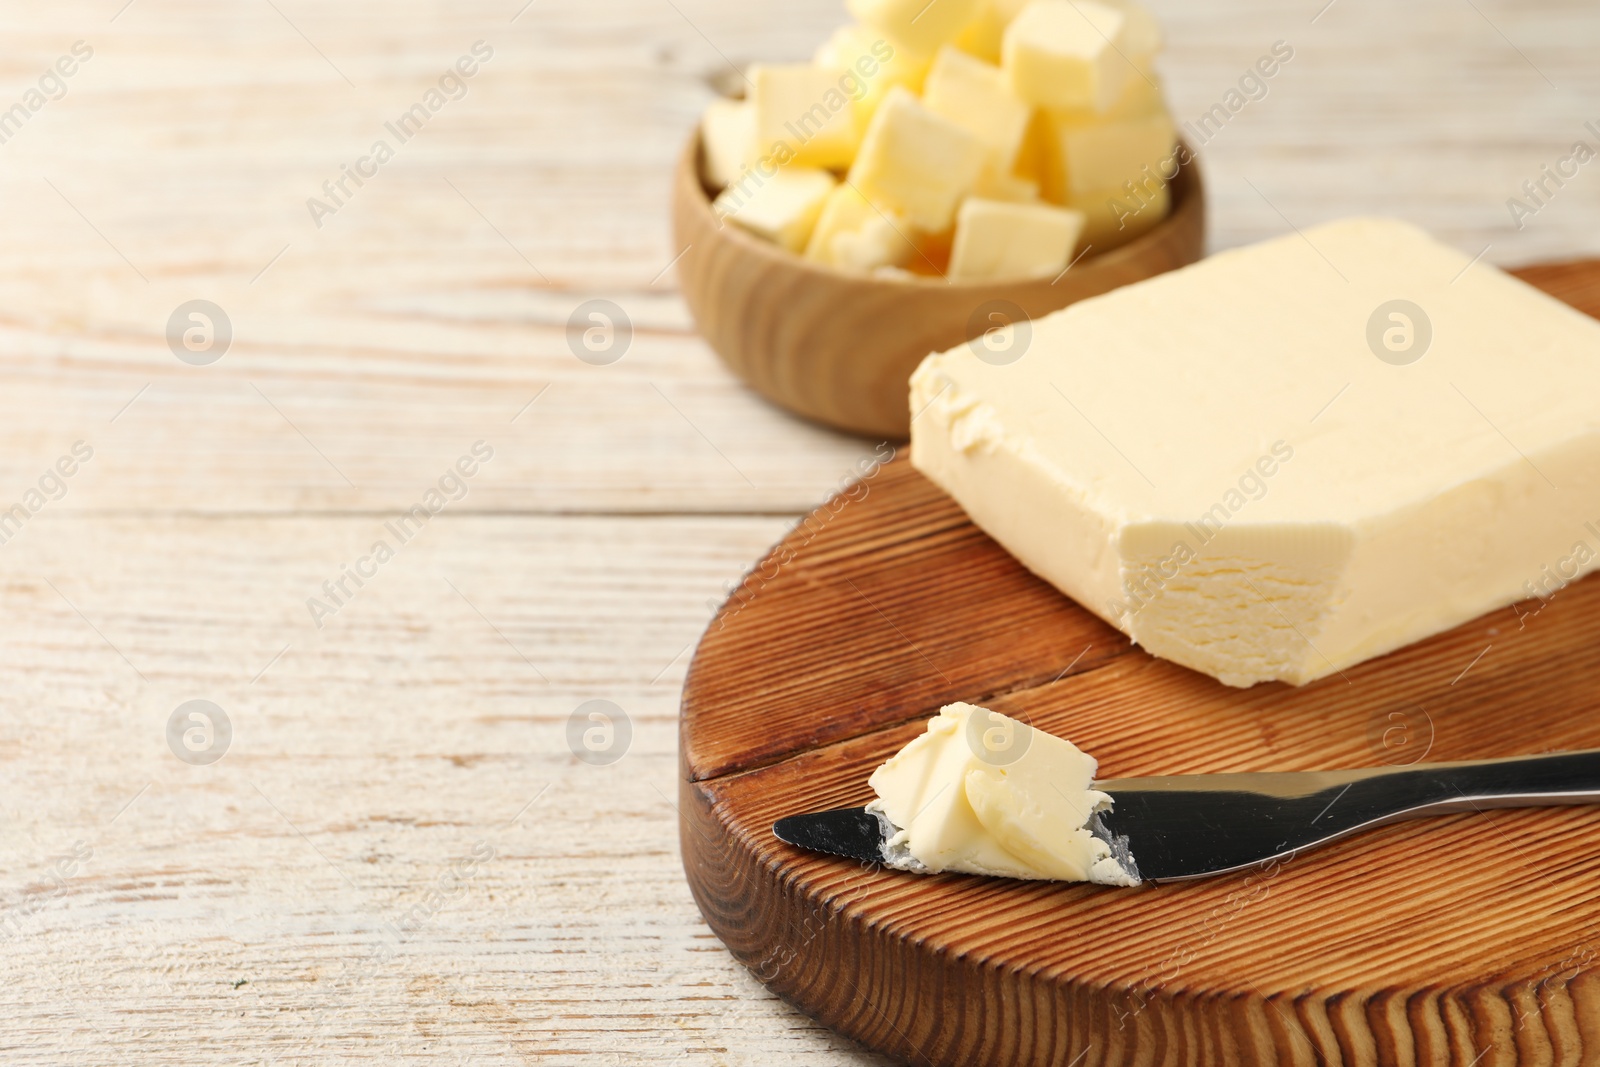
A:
(1143, 30)
(803, 115)
(983, 36)
(976, 96)
(845, 211)
(877, 60)
(916, 164)
(995, 184)
(1092, 155)
(1141, 97)
(1041, 158)
(780, 204)
(853, 235)
(997, 240)
(922, 25)
(1113, 217)
(881, 243)
(727, 139)
(1068, 54)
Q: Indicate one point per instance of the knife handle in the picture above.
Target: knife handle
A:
(1517, 782)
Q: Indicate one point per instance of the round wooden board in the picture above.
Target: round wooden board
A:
(1469, 939)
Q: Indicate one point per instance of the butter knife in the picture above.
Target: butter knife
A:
(1195, 826)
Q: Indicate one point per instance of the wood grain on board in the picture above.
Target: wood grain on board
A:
(1461, 939)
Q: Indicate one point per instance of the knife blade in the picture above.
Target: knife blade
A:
(1179, 827)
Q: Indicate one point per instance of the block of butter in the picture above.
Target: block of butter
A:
(1285, 459)
(982, 793)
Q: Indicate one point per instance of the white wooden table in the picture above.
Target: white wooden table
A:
(399, 859)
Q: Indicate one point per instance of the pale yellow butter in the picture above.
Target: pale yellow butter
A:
(981, 793)
(983, 36)
(880, 244)
(1288, 458)
(981, 39)
(845, 211)
(1113, 217)
(728, 137)
(1042, 159)
(919, 24)
(977, 97)
(902, 104)
(851, 234)
(995, 184)
(1090, 154)
(803, 117)
(781, 205)
(997, 240)
(1068, 54)
(878, 62)
(1142, 96)
(1141, 30)
(915, 164)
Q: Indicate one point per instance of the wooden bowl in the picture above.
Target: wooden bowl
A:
(839, 348)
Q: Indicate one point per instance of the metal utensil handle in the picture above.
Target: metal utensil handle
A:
(1521, 781)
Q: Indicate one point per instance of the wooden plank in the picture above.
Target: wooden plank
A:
(245, 912)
